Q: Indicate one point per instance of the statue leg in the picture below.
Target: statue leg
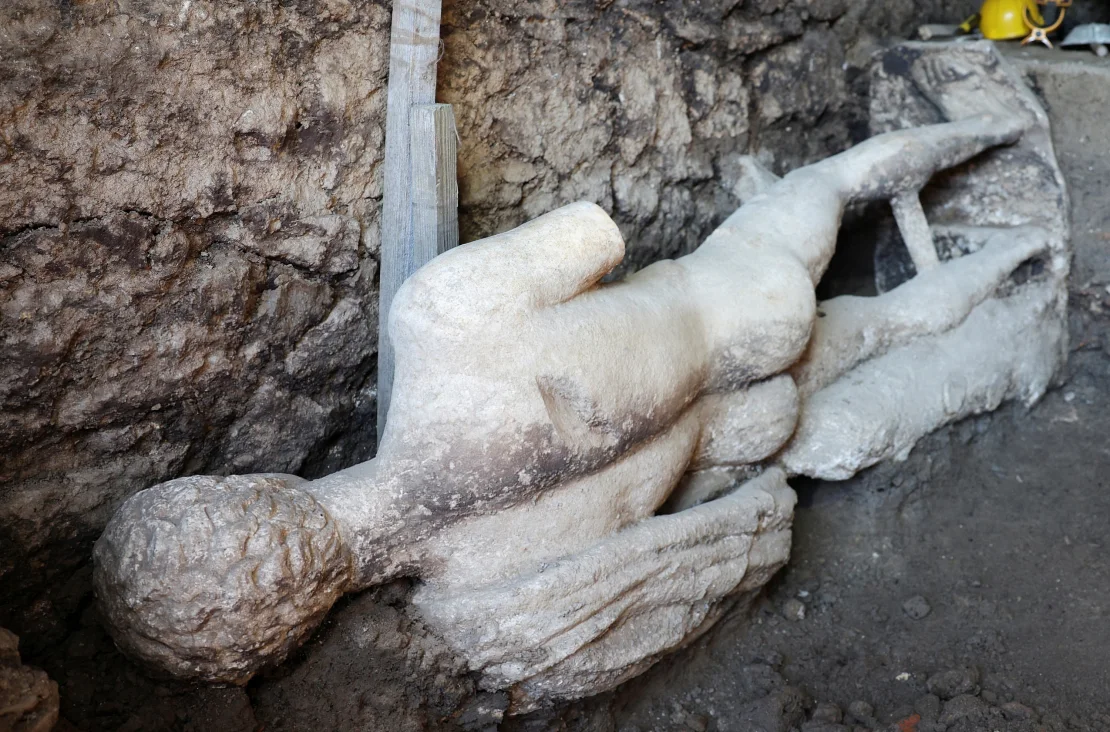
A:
(855, 329)
(587, 622)
(801, 213)
(1007, 348)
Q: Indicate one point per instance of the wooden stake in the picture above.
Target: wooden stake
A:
(413, 52)
(435, 189)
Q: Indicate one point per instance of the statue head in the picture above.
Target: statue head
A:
(214, 578)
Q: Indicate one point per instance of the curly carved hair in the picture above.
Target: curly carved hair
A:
(215, 578)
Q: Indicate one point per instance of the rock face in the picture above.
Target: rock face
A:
(188, 237)
(187, 255)
(28, 698)
(646, 108)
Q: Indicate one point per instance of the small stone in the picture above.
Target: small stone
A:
(1017, 712)
(987, 639)
(862, 712)
(1053, 722)
(696, 722)
(964, 706)
(826, 712)
(949, 684)
(916, 607)
(769, 657)
(911, 722)
(1003, 686)
(794, 609)
(484, 711)
(928, 706)
(9, 648)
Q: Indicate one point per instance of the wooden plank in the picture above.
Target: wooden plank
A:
(435, 189)
(413, 52)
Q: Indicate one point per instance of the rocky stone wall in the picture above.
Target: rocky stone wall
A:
(189, 215)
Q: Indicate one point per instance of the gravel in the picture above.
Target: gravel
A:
(794, 609)
(917, 607)
(952, 683)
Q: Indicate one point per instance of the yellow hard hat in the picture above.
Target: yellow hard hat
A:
(1001, 20)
